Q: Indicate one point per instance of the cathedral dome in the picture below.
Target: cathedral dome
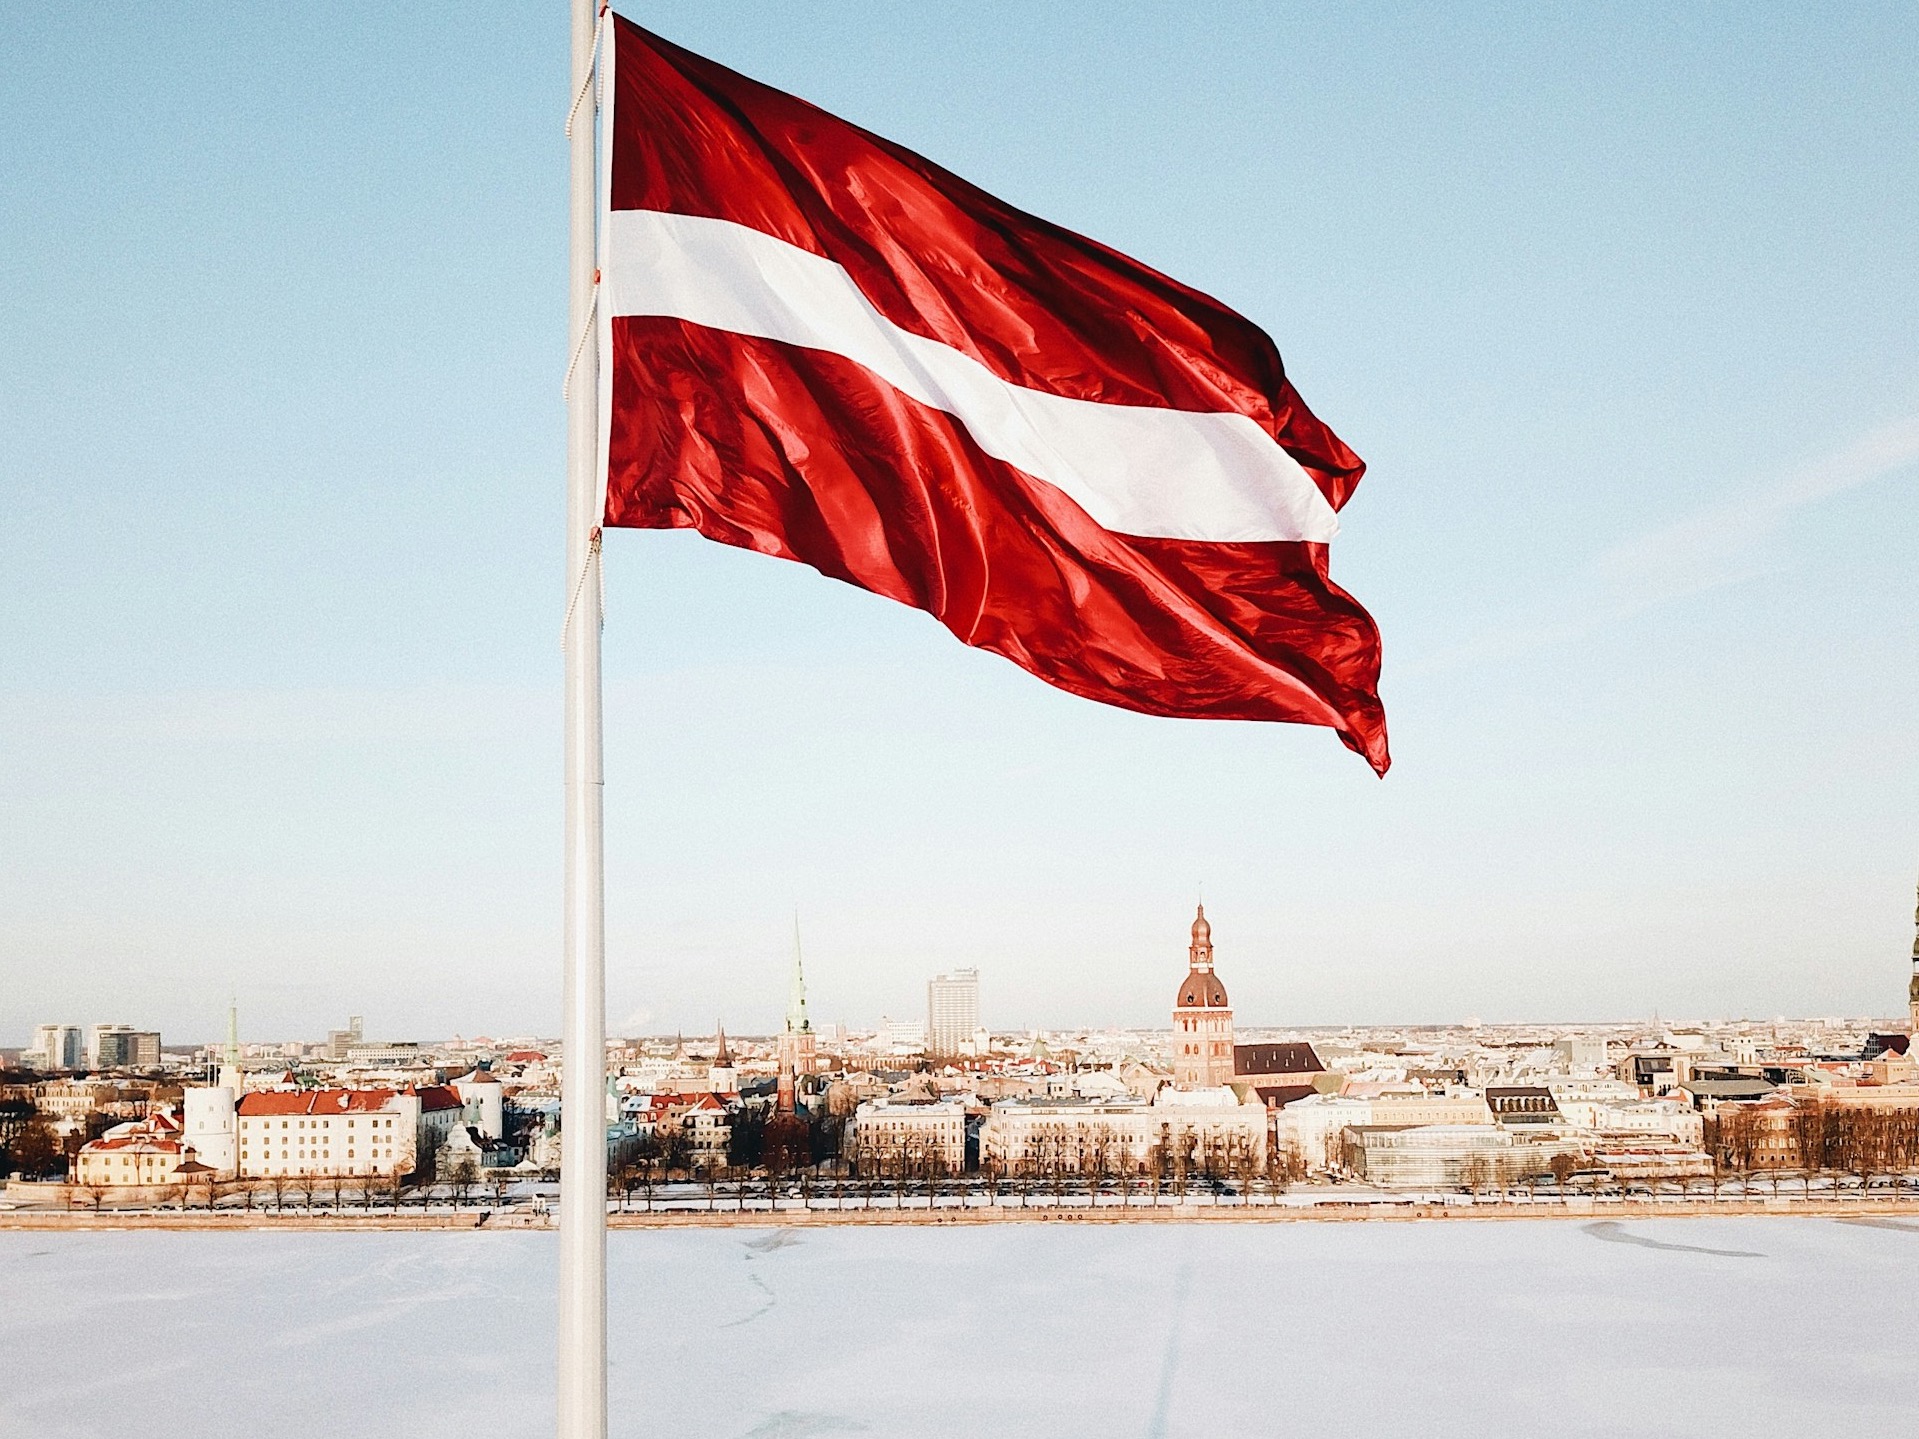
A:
(1202, 990)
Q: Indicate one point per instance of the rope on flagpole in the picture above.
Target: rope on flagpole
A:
(579, 345)
(579, 587)
(592, 69)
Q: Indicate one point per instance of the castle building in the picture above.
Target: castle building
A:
(1202, 1018)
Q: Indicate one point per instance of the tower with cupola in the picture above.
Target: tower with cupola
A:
(1202, 1018)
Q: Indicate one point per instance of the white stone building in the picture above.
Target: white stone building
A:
(888, 1133)
(1210, 1130)
(328, 1133)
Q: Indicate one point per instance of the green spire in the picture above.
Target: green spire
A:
(796, 1020)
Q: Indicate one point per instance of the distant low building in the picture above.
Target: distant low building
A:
(121, 1046)
(1314, 1126)
(1452, 1156)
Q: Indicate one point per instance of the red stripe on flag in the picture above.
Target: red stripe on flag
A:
(805, 455)
(1035, 303)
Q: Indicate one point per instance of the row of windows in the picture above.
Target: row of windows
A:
(317, 1124)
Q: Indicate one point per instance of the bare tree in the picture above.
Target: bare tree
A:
(463, 1178)
(1562, 1166)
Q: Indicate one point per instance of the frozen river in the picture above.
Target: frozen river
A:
(1747, 1326)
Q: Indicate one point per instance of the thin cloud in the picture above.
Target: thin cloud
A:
(1725, 543)
(1719, 545)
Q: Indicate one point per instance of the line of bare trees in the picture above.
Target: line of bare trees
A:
(1812, 1138)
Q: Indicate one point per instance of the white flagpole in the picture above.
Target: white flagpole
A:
(582, 1336)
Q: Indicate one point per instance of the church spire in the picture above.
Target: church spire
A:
(1200, 952)
(796, 1020)
(722, 1058)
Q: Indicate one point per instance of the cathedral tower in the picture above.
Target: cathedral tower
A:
(1202, 1018)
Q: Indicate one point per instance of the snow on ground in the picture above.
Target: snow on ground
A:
(1748, 1326)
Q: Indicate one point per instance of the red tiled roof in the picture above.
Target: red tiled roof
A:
(133, 1141)
(315, 1101)
(435, 1097)
(524, 1056)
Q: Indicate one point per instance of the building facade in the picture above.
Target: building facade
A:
(56, 1046)
(890, 1136)
(335, 1133)
(1181, 1131)
(121, 1046)
(952, 1013)
(148, 1153)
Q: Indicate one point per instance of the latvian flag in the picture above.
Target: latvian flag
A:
(820, 346)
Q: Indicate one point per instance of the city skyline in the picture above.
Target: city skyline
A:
(1615, 305)
(953, 1015)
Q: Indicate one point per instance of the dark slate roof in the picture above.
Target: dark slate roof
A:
(1521, 1101)
(1278, 1096)
(1880, 1044)
(1739, 1086)
(1290, 1058)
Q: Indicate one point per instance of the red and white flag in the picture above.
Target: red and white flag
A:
(819, 345)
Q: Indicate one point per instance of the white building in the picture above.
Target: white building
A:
(148, 1153)
(483, 1101)
(324, 1133)
(1671, 1119)
(1581, 1052)
(208, 1120)
(1581, 1100)
(56, 1046)
(952, 1013)
(889, 1132)
(1206, 1130)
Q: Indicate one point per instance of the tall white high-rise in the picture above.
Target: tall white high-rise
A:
(952, 1013)
(57, 1046)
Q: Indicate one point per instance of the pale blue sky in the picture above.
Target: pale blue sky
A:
(1621, 304)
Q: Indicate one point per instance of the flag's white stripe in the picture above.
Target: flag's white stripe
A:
(1136, 469)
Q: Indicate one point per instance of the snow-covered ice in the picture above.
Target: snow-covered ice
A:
(1747, 1326)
